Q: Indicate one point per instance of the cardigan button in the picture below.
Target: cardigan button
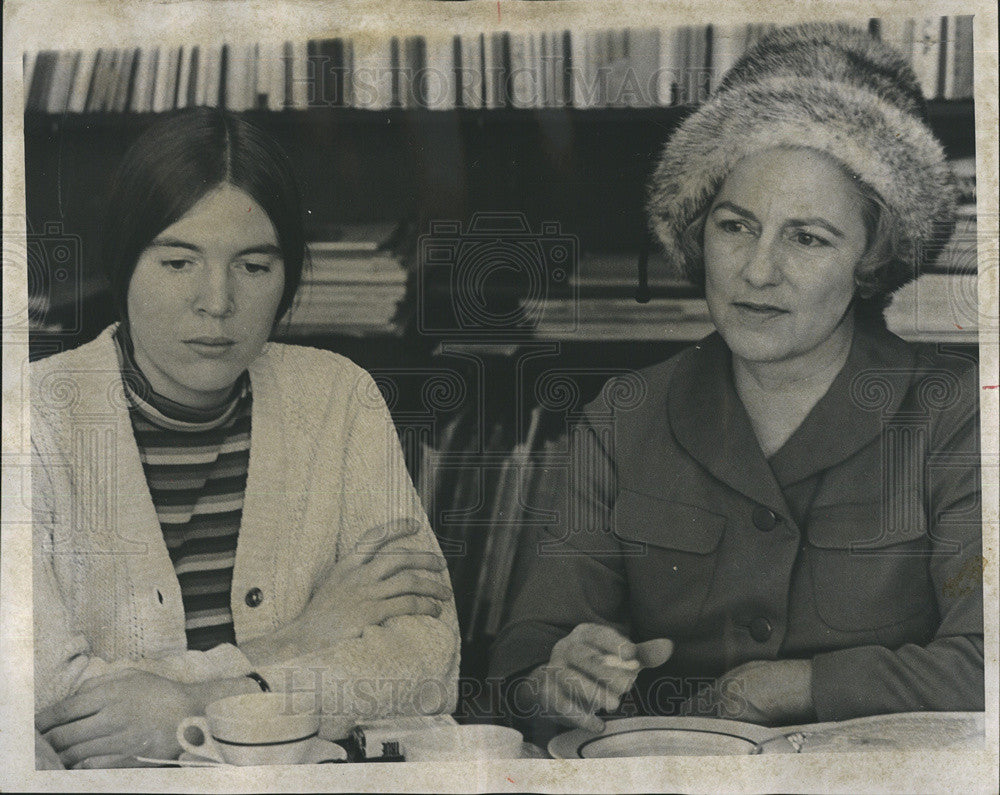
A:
(254, 597)
(764, 519)
(760, 629)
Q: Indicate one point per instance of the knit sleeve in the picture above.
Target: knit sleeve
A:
(406, 664)
(63, 657)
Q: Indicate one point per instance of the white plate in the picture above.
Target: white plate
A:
(655, 736)
(320, 751)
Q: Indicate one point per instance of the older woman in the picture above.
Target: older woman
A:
(216, 513)
(787, 528)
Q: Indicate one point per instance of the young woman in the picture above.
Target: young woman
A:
(216, 513)
(771, 520)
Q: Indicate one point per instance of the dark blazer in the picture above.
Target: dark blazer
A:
(857, 545)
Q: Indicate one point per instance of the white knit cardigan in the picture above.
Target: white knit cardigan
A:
(325, 466)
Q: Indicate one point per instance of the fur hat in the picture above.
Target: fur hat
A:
(829, 87)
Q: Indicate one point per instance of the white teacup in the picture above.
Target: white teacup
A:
(251, 729)
(462, 743)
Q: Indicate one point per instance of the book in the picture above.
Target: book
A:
(124, 84)
(469, 89)
(170, 78)
(159, 96)
(671, 74)
(640, 85)
(183, 77)
(413, 59)
(271, 77)
(77, 102)
(620, 86)
(520, 84)
(608, 67)
(298, 78)
(698, 65)
(105, 80)
(925, 54)
(28, 60)
(141, 99)
(960, 76)
(581, 70)
(371, 77)
(728, 45)
(66, 64)
(41, 80)
(358, 236)
(498, 75)
(439, 81)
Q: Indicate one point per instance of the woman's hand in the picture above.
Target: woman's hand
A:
(382, 578)
(770, 692)
(589, 671)
(46, 757)
(111, 720)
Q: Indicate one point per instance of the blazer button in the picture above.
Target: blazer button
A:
(764, 519)
(760, 629)
(254, 597)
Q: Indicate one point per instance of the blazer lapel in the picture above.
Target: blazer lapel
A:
(869, 388)
(709, 421)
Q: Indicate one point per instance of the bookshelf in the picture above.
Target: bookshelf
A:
(583, 164)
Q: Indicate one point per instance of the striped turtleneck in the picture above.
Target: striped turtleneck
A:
(195, 462)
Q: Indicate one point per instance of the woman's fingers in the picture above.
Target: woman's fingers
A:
(109, 761)
(605, 639)
(110, 745)
(615, 674)
(82, 704)
(408, 605)
(69, 734)
(573, 699)
(46, 757)
(409, 582)
(564, 710)
(377, 538)
(395, 561)
(654, 653)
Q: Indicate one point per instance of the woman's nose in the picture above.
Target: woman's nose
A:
(215, 293)
(762, 268)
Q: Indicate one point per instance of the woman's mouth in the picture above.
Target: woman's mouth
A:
(753, 310)
(211, 346)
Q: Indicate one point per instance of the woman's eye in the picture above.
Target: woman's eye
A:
(256, 267)
(811, 241)
(733, 226)
(176, 264)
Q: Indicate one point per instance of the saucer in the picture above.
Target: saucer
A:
(666, 736)
(320, 752)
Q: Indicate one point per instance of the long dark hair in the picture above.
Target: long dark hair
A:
(172, 165)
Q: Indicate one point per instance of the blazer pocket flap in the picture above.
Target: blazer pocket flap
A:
(860, 526)
(665, 523)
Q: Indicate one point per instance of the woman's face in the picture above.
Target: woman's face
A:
(782, 241)
(203, 297)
